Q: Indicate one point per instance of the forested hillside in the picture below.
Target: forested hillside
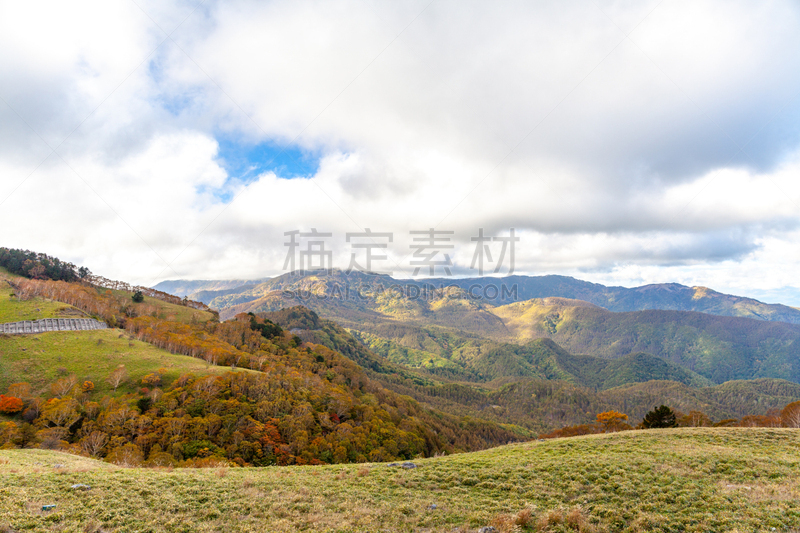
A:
(719, 348)
(282, 401)
(38, 265)
(540, 386)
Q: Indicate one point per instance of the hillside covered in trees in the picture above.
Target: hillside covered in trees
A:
(39, 266)
(283, 401)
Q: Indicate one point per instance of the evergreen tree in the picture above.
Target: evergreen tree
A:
(660, 417)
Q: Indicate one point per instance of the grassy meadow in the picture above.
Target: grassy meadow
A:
(733, 479)
(14, 310)
(166, 310)
(43, 358)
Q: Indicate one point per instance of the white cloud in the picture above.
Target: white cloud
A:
(645, 142)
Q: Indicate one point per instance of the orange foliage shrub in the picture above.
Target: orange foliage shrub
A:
(760, 421)
(694, 419)
(571, 431)
(10, 404)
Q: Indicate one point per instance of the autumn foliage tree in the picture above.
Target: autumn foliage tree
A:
(760, 421)
(694, 419)
(10, 405)
(20, 390)
(117, 376)
(93, 443)
(152, 380)
(63, 386)
(790, 415)
(611, 421)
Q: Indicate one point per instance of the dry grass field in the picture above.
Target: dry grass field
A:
(733, 479)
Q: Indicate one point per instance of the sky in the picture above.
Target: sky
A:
(625, 143)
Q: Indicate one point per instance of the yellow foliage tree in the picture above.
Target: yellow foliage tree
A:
(63, 387)
(613, 421)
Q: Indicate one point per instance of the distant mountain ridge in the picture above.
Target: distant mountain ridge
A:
(662, 296)
(720, 348)
(183, 287)
(223, 294)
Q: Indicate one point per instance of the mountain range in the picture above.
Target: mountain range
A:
(663, 296)
(485, 329)
(183, 287)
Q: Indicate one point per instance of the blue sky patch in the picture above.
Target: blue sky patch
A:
(245, 161)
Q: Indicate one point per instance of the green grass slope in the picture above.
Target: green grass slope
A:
(161, 309)
(14, 310)
(89, 355)
(693, 480)
(43, 358)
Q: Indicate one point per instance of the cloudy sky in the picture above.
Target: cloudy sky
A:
(625, 142)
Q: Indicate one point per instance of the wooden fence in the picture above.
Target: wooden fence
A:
(51, 324)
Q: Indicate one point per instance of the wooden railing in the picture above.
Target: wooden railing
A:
(51, 324)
